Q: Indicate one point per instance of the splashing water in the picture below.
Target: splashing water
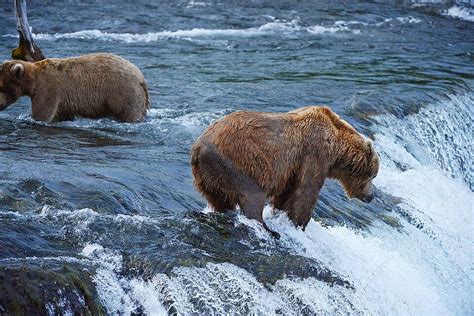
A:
(440, 135)
(460, 12)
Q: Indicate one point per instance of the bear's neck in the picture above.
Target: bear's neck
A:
(29, 82)
(345, 158)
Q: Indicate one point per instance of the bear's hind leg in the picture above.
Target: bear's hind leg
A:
(127, 106)
(213, 177)
(219, 203)
(215, 173)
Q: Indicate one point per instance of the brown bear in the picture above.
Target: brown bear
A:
(92, 86)
(247, 157)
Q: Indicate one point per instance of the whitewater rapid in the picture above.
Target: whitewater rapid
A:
(460, 12)
(275, 26)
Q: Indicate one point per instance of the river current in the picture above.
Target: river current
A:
(102, 216)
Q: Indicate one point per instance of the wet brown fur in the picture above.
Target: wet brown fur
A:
(247, 157)
(92, 86)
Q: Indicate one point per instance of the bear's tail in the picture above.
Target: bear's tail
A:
(147, 97)
(195, 151)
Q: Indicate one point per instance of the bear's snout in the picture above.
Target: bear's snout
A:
(368, 198)
(368, 194)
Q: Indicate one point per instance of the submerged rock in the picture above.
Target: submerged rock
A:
(47, 288)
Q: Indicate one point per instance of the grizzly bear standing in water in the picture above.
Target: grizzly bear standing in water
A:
(247, 157)
(93, 86)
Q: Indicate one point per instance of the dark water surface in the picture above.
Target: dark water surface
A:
(103, 216)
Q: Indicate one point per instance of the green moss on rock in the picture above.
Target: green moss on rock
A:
(50, 287)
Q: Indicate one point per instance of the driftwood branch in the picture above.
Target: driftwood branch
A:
(27, 49)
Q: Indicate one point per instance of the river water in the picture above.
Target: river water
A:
(103, 216)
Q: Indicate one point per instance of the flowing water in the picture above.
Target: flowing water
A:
(103, 216)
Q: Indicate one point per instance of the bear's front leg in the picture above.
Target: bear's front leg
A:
(300, 205)
(44, 108)
(300, 201)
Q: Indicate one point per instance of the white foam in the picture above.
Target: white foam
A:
(273, 27)
(442, 204)
(401, 20)
(459, 12)
(260, 233)
(193, 4)
(12, 213)
(62, 303)
(116, 293)
(383, 266)
(404, 20)
(440, 134)
(82, 218)
(208, 209)
(48, 258)
(269, 28)
(319, 29)
(435, 180)
(148, 297)
(215, 289)
(107, 258)
(111, 293)
(169, 290)
(315, 297)
(191, 120)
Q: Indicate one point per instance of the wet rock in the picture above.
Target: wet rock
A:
(47, 288)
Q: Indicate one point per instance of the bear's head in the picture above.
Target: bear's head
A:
(355, 167)
(12, 74)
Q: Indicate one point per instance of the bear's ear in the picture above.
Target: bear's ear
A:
(370, 147)
(18, 71)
